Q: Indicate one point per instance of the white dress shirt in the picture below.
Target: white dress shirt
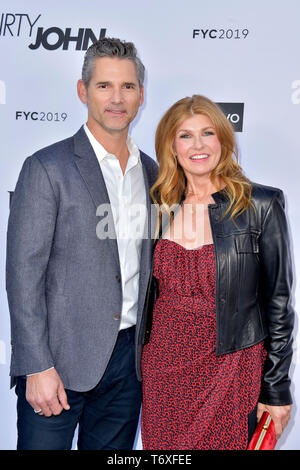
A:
(127, 197)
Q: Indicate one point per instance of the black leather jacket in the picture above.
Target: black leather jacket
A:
(253, 286)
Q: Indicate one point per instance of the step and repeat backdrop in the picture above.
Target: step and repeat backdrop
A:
(243, 55)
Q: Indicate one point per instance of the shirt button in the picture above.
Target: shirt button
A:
(222, 300)
(117, 316)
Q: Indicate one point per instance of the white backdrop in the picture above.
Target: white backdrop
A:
(233, 52)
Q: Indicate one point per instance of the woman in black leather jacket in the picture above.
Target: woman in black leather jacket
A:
(218, 336)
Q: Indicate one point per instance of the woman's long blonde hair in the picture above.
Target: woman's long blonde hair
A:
(170, 185)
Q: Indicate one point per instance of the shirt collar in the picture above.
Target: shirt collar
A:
(101, 152)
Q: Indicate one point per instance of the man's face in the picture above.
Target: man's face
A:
(113, 95)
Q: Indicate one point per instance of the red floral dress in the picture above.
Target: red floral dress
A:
(193, 399)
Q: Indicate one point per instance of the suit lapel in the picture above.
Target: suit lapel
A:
(90, 171)
(147, 248)
(147, 240)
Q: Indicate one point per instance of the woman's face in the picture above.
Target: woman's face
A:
(197, 146)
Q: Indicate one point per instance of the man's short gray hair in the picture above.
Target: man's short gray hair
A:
(111, 47)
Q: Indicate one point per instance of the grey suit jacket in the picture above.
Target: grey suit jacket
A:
(63, 282)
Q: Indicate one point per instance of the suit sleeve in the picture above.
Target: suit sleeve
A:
(276, 280)
(31, 227)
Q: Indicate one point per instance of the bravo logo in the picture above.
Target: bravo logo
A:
(49, 38)
(234, 113)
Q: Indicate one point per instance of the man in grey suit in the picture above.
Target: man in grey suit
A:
(76, 274)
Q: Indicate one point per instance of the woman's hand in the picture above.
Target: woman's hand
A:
(279, 414)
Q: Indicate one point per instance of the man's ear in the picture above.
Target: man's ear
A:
(82, 91)
(142, 90)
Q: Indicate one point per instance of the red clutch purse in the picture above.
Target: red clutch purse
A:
(264, 434)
